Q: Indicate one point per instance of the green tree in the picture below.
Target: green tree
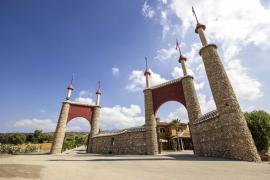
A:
(176, 123)
(259, 125)
(17, 138)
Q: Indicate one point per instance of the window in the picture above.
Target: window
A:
(162, 130)
(112, 141)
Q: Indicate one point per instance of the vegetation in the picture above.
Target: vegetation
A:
(259, 125)
(14, 143)
(74, 141)
(20, 138)
(16, 149)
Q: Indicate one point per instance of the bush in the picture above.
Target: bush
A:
(30, 148)
(17, 138)
(259, 125)
(15, 149)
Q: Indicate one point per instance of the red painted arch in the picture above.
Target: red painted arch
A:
(170, 92)
(78, 110)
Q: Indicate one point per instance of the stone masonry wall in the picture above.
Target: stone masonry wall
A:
(221, 136)
(121, 143)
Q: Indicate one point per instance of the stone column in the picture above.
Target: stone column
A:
(94, 127)
(150, 124)
(95, 121)
(240, 144)
(59, 134)
(192, 106)
(192, 102)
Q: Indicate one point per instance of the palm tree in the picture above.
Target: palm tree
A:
(176, 123)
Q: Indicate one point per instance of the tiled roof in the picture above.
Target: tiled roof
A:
(115, 132)
(207, 116)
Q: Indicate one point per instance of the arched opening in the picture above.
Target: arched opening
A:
(77, 134)
(172, 127)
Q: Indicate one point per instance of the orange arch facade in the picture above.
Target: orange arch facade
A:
(169, 91)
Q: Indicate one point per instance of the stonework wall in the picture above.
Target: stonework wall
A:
(122, 143)
(222, 136)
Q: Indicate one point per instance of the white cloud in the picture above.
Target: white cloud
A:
(164, 23)
(179, 113)
(118, 117)
(85, 93)
(137, 80)
(42, 124)
(78, 124)
(245, 87)
(232, 27)
(147, 10)
(85, 97)
(115, 71)
(166, 54)
(206, 103)
(164, 1)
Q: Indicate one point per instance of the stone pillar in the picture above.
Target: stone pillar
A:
(240, 145)
(192, 106)
(147, 78)
(150, 124)
(94, 128)
(95, 121)
(184, 68)
(59, 134)
(192, 102)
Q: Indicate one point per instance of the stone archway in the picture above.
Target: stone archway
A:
(181, 90)
(69, 111)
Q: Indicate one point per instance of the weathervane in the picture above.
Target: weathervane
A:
(72, 77)
(178, 47)
(99, 84)
(146, 64)
(194, 13)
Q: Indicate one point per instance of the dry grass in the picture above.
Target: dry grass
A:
(40, 147)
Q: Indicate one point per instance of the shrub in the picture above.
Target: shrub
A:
(259, 125)
(17, 138)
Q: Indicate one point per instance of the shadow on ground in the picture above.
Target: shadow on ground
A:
(20, 170)
(169, 157)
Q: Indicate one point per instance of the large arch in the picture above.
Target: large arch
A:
(69, 111)
(181, 90)
(170, 91)
(80, 110)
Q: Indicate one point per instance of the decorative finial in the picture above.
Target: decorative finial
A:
(98, 90)
(178, 47)
(181, 58)
(194, 13)
(72, 77)
(146, 64)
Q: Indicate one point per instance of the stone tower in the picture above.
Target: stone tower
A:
(237, 142)
(150, 119)
(191, 99)
(62, 122)
(192, 103)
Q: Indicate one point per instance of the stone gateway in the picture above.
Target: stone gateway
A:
(219, 133)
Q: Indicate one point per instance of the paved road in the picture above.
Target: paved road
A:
(78, 165)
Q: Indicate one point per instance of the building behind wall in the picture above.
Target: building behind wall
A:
(168, 133)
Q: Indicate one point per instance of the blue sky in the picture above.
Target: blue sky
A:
(43, 42)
